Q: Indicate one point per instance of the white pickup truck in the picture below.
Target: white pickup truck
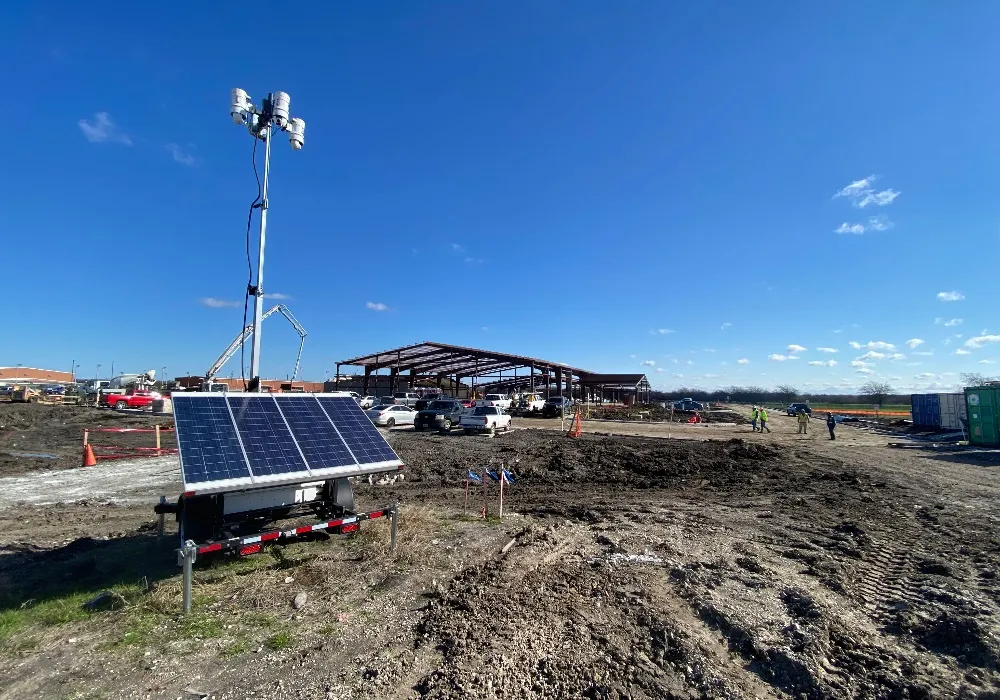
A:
(488, 419)
(498, 400)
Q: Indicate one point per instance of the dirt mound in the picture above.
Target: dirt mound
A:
(547, 458)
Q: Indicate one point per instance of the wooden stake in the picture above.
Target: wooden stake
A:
(86, 437)
(157, 428)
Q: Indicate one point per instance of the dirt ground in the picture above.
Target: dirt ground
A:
(713, 563)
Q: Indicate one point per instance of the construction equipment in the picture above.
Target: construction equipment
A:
(23, 394)
(246, 335)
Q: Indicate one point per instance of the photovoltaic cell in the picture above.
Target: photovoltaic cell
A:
(207, 441)
(364, 440)
(266, 439)
(317, 438)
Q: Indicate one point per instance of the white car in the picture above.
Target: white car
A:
(367, 402)
(496, 400)
(390, 415)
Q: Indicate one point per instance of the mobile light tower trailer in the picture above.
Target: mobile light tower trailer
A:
(252, 459)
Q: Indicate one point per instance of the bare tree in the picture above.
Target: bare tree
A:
(976, 379)
(875, 390)
(786, 393)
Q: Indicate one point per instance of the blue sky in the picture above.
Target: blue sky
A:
(669, 187)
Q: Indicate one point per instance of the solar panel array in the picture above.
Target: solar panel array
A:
(235, 441)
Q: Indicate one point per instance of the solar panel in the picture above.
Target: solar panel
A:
(244, 440)
(267, 441)
(209, 447)
(361, 436)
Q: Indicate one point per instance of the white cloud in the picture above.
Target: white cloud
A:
(950, 296)
(864, 370)
(855, 229)
(879, 199)
(895, 378)
(860, 363)
(873, 355)
(987, 362)
(180, 155)
(485, 329)
(953, 322)
(855, 344)
(924, 353)
(823, 363)
(474, 261)
(660, 369)
(677, 376)
(880, 345)
(925, 375)
(914, 343)
(376, 306)
(982, 341)
(632, 356)
(724, 326)
(278, 296)
(648, 363)
(839, 330)
(708, 349)
(962, 351)
(743, 361)
(776, 357)
(897, 356)
(862, 193)
(457, 248)
(103, 130)
(879, 223)
(857, 188)
(664, 331)
(828, 349)
(213, 303)
(689, 362)
(793, 348)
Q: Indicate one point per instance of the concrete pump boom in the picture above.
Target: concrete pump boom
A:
(248, 332)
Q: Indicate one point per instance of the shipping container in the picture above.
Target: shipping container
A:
(982, 406)
(954, 415)
(925, 410)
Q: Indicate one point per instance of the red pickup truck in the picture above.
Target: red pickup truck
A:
(132, 398)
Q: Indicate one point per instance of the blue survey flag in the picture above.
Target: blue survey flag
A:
(472, 476)
(493, 475)
(508, 477)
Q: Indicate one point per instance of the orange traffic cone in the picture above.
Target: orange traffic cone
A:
(576, 430)
(89, 460)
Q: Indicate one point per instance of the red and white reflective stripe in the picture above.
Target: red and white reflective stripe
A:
(267, 536)
(214, 547)
(376, 514)
(251, 540)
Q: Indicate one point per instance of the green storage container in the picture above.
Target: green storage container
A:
(983, 403)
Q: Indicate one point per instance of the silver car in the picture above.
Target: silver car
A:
(391, 415)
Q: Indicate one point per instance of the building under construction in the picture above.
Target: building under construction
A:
(463, 371)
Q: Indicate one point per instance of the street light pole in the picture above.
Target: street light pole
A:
(258, 302)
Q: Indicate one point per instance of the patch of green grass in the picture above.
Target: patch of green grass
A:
(10, 622)
(138, 628)
(281, 640)
(261, 620)
(329, 631)
(241, 645)
(199, 625)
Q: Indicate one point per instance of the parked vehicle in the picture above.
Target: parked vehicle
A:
(391, 415)
(6, 390)
(555, 405)
(796, 408)
(406, 398)
(385, 400)
(467, 403)
(131, 398)
(367, 402)
(441, 414)
(530, 403)
(498, 400)
(688, 405)
(23, 394)
(55, 391)
(488, 419)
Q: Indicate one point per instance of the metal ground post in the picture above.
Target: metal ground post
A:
(160, 524)
(185, 558)
(395, 519)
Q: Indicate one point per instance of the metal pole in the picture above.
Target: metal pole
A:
(392, 532)
(186, 556)
(258, 303)
(159, 525)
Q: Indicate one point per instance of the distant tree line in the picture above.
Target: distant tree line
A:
(872, 392)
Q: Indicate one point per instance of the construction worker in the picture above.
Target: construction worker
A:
(754, 415)
(831, 423)
(803, 419)
(763, 420)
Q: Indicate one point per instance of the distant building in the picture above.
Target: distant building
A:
(32, 375)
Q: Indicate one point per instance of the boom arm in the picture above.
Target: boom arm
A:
(245, 336)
